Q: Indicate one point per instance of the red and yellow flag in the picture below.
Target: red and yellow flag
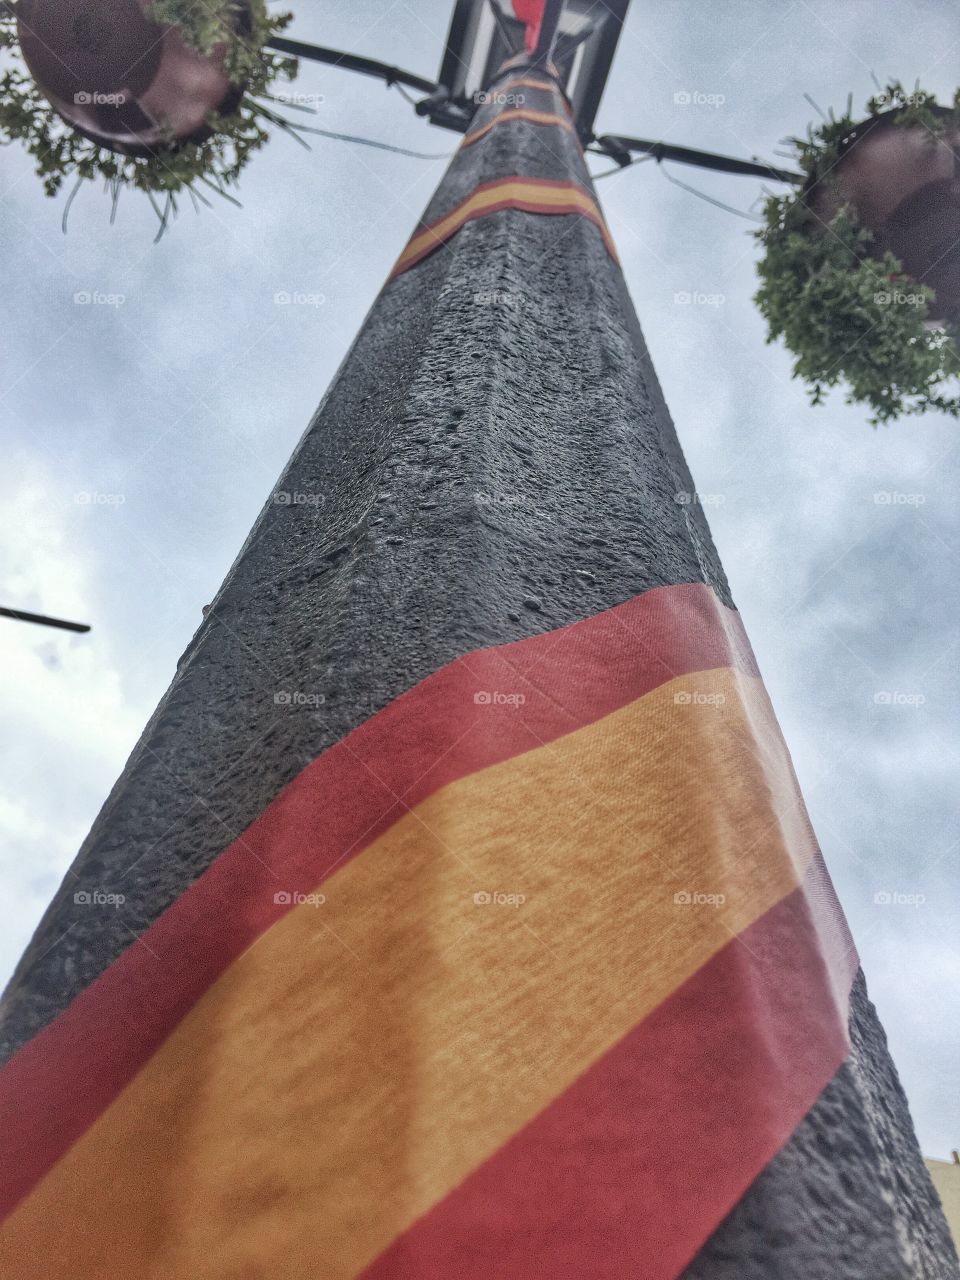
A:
(529, 975)
(530, 12)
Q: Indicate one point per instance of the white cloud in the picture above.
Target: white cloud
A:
(69, 722)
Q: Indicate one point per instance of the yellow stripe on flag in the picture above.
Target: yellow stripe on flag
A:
(371, 1050)
(519, 113)
(532, 196)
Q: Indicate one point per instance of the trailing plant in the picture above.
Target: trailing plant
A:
(848, 314)
(60, 152)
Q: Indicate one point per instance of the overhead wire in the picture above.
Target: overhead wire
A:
(619, 168)
(750, 217)
(296, 128)
(381, 146)
(408, 97)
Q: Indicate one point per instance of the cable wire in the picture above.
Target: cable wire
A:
(295, 129)
(381, 146)
(618, 168)
(408, 97)
(750, 217)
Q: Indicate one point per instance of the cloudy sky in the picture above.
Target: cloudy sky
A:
(142, 434)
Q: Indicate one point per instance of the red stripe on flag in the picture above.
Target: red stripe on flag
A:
(631, 1170)
(527, 195)
(62, 1079)
(530, 12)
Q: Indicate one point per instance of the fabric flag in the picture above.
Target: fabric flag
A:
(531, 13)
(482, 992)
(531, 972)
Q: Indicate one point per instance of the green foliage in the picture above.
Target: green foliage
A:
(59, 152)
(203, 26)
(848, 315)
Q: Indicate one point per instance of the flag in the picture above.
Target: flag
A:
(531, 13)
(532, 966)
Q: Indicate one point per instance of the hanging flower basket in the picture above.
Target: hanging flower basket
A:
(165, 96)
(861, 268)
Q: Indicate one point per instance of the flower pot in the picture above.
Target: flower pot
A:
(904, 186)
(119, 78)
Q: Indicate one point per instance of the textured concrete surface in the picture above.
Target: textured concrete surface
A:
(849, 1196)
(479, 471)
(493, 460)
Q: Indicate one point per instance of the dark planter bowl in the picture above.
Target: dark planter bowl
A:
(119, 78)
(905, 188)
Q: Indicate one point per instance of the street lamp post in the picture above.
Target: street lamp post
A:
(457, 912)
